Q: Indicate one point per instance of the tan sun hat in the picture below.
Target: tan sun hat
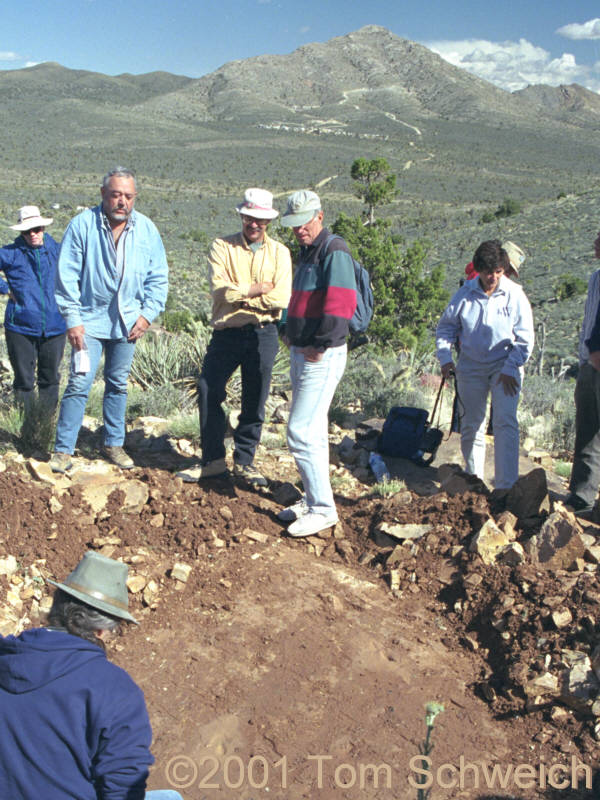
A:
(29, 217)
(257, 203)
(101, 583)
(515, 255)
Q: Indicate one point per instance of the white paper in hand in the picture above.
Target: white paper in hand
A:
(81, 362)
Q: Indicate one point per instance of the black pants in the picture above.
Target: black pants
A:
(585, 475)
(254, 349)
(28, 352)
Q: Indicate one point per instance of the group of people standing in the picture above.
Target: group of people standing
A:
(106, 283)
(251, 284)
(75, 725)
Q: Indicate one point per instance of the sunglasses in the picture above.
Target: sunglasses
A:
(39, 229)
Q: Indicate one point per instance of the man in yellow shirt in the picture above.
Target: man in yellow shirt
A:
(250, 276)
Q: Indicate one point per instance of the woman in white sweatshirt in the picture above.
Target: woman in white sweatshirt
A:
(490, 318)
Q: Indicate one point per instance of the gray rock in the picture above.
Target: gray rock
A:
(286, 494)
(558, 544)
(529, 496)
(579, 686)
(488, 542)
(513, 554)
(407, 531)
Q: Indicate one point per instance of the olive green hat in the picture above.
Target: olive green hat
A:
(100, 582)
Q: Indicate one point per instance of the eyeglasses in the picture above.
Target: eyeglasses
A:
(262, 223)
(39, 229)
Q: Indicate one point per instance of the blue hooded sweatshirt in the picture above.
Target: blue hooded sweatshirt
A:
(31, 276)
(73, 725)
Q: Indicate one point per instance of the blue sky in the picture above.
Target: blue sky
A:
(510, 43)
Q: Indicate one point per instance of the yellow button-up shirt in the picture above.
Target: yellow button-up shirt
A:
(234, 267)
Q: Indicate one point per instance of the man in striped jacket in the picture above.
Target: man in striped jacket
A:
(322, 304)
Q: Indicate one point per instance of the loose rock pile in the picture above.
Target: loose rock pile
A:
(511, 577)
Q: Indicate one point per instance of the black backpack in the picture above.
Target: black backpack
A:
(364, 294)
(407, 433)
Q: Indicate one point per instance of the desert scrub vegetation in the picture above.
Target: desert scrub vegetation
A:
(507, 208)
(547, 412)
(374, 382)
(568, 285)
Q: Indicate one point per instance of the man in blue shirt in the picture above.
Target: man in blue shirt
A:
(111, 284)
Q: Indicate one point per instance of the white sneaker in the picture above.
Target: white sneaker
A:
(312, 523)
(289, 514)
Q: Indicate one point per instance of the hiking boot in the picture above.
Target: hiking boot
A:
(60, 462)
(312, 523)
(118, 457)
(291, 513)
(210, 470)
(580, 507)
(250, 474)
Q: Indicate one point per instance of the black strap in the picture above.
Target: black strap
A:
(458, 409)
(435, 405)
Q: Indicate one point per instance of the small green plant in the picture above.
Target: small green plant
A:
(431, 712)
(178, 321)
(568, 285)
(563, 468)
(388, 488)
(508, 207)
(184, 426)
(38, 425)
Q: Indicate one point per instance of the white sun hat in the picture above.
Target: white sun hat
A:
(257, 203)
(29, 217)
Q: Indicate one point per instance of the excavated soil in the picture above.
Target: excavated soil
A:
(288, 669)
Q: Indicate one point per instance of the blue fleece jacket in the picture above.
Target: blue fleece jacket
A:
(31, 276)
(73, 725)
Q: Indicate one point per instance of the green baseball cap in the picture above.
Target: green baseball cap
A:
(301, 208)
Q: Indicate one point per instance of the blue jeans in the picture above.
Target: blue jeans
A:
(253, 347)
(474, 382)
(313, 387)
(118, 355)
(163, 794)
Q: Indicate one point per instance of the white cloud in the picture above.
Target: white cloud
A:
(305, 29)
(584, 30)
(514, 65)
(7, 55)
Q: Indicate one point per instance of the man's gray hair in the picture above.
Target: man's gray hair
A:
(70, 614)
(119, 172)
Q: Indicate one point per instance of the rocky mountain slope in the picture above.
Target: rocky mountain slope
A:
(353, 75)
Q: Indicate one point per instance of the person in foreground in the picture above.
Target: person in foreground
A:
(74, 725)
(250, 277)
(490, 319)
(585, 474)
(322, 304)
(112, 283)
(34, 328)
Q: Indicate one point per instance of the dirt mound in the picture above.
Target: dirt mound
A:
(259, 653)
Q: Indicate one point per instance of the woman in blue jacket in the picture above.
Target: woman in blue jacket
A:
(35, 331)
